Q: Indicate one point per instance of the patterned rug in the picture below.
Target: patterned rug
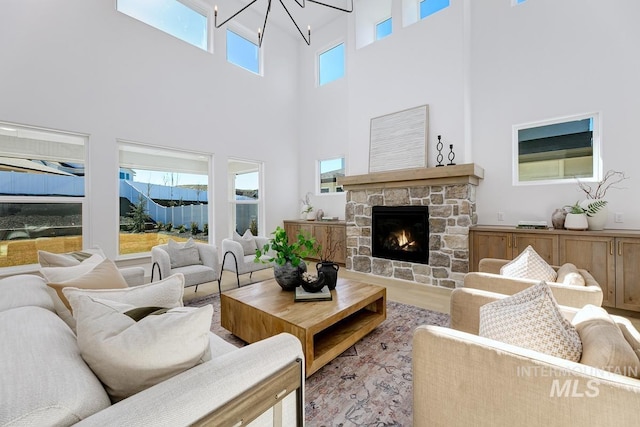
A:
(370, 384)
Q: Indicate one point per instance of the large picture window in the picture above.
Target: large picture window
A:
(42, 192)
(163, 195)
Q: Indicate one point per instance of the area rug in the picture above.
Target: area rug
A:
(370, 384)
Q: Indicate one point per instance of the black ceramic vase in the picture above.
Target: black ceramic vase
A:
(287, 275)
(330, 272)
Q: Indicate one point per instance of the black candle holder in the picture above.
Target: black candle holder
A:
(439, 157)
(451, 156)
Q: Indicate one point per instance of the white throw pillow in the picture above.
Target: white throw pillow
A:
(163, 293)
(104, 274)
(183, 254)
(69, 259)
(531, 319)
(603, 343)
(529, 265)
(247, 241)
(61, 274)
(129, 356)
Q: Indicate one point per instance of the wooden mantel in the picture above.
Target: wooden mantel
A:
(468, 173)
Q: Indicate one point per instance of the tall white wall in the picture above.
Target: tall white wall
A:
(546, 59)
(81, 66)
(483, 66)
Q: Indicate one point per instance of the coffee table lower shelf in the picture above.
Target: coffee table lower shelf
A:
(325, 328)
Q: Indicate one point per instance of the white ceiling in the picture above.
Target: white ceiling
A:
(312, 14)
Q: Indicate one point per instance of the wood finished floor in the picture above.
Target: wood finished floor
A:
(423, 296)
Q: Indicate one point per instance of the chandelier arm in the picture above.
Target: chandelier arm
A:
(308, 41)
(264, 26)
(215, 16)
(300, 4)
(332, 6)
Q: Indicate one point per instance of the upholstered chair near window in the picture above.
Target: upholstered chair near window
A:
(198, 262)
(240, 252)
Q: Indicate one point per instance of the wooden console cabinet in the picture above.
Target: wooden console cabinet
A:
(326, 233)
(611, 256)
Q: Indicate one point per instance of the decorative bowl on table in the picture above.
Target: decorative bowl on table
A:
(311, 283)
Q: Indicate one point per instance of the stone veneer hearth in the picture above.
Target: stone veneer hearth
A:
(450, 193)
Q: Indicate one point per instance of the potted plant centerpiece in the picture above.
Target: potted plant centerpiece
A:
(288, 257)
(594, 205)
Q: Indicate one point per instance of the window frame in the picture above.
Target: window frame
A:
(375, 28)
(596, 149)
(247, 35)
(328, 48)
(420, 17)
(201, 156)
(233, 202)
(318, 175)
(82, 200)
(196, 6)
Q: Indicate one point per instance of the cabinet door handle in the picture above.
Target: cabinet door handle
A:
(508, 241)
(515, 242)
(619, 248)
(611, 247)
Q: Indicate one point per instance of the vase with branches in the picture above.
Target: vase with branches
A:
(595, 207)
(328, 251)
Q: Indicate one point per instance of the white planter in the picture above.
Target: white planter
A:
(599, 219)
(576, 222)
(311, 215)
(303, 213)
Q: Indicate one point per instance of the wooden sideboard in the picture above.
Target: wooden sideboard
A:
(611, 256)
(327, 234)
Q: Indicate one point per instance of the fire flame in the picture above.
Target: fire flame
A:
(402, 239)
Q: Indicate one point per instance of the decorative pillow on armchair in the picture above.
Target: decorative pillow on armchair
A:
(183, 254)
(529, 265)
(531, 319)
(248, 242)
(129, 356)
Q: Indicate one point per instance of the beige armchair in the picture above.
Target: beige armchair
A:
(241, 260)
(200, 263)
(461, 379)
(489, 279)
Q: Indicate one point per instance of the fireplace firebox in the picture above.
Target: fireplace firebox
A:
(400, 233)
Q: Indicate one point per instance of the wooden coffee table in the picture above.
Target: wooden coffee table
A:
(325, 328)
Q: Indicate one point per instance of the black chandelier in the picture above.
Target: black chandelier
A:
(307, 39)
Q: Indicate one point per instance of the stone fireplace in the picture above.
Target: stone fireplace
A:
(449, 195)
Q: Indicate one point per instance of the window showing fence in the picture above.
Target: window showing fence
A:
(165, 198)
(42, 192)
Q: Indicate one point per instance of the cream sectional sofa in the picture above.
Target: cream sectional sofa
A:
(44, 380)
(489, 279)
(462, 379)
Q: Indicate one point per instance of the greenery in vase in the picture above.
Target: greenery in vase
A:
(285, 251)
(575, 209)
(591, 207)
